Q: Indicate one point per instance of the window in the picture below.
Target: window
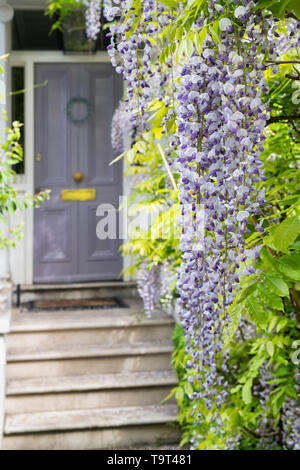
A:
(31, 32)
(17, 107)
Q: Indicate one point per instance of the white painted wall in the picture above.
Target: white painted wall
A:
(6, 14)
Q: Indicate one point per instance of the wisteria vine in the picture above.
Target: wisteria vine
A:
(221, 120)
(215, 96)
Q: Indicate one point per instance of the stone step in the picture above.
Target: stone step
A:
(36, 330)
(81, 392)
(88, 359)
(30, 292)
(46, 385)
(90, 378)
(86, 319)
(93, 350)
(125, 437)
(87, 400)
(71, 420)
(53, 339)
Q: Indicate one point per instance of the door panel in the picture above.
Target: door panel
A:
(99, 84)
(96, 252)
(66, 248)
(55, 245)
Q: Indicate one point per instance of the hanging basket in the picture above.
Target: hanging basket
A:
(75, 39)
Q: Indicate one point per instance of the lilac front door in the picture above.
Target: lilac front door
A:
(73, 112)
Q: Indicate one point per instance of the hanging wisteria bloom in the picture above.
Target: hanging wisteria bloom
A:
(121, 129)
(149, 287)
(220, 119)
(93, 18)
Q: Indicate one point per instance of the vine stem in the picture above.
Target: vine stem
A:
(282, 62)
(273, 119)
(259, 435)
(167, 167)
(296, 300)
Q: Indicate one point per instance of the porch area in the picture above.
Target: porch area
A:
(89, 378)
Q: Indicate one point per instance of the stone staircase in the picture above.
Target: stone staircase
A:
(89, 379)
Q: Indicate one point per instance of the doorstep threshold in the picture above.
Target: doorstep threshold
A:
(79, 285)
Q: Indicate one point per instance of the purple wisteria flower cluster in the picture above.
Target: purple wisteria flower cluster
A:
(93, 17)
(149, 287)
(134, 54)
(220, 122)
(121, 128)
(131, 56)
(291, 422)
(221, 119)
(93, 12)
(154, 287)
(289, 39)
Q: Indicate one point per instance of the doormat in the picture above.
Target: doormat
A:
(73, 304)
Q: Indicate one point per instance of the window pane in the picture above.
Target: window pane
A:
(31, 31)
(17, 107)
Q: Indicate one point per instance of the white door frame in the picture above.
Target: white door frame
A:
(21, 257)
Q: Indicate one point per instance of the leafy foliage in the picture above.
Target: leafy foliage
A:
(60, 10)
(260, 377)
(269, 301)
(11, 153)
(155, 195)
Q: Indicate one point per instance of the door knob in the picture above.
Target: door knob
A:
(78, 176)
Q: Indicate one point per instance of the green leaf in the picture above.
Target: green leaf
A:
(294, 5)
(256, 311)
(188, 388)
(278, 7)
(270, 348)
(246, 292)
(235, 315)
(284, 234)
(290, 266)
(169, 396)
(180, 50)
(266, 3)
(130, 155)
(281, 371)
(179, 395)
(272, 324)
(214, 31)
(268, 261)
(276, 284)
(136, 9)
(188, 46)
(268, 297)
(247, 392)
(119, 157)
(169, 3)
(199, 39)
(295, 246)
(141, 146)
(278, 400)
(281, 324)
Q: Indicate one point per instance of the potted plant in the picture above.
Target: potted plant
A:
(69, 18)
